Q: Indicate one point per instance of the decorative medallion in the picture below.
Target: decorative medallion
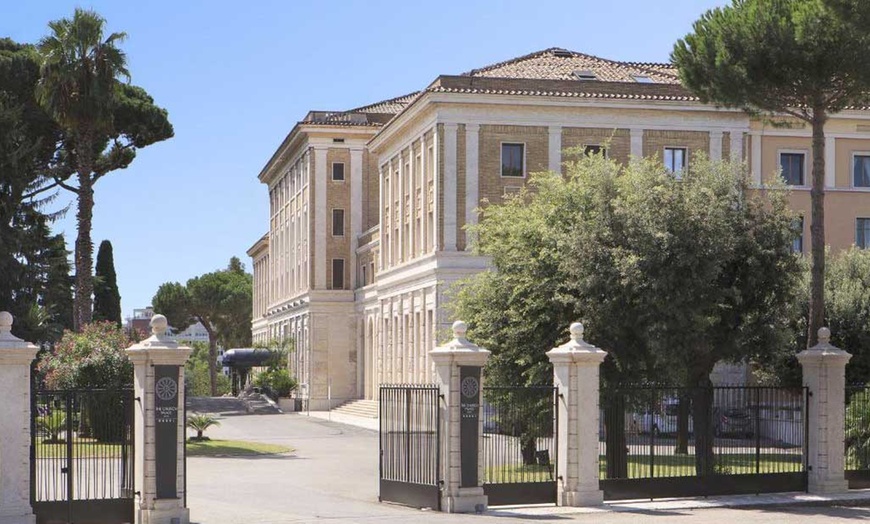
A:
(166, 388)
(469, 387)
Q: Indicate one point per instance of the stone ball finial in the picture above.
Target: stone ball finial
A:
(5, 322)
(159, 324)
(576, 331)
(824, 335)
(459, 329)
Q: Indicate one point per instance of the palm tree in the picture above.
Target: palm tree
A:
(78, 88)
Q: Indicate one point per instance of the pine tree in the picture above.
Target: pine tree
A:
(107, 299)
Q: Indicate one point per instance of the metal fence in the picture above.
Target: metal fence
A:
(661, 441)
(409, 445)
(857, 444)
(82, 455)
(519, 444)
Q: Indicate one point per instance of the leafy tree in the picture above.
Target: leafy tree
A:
(103, 121)
(196, 373)
(34, 287)
(798, 58)
(93, 359)
(220, 300)
(670, 275)
(107, 299)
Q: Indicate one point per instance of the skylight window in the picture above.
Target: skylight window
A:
(584, 74)
(642, 79)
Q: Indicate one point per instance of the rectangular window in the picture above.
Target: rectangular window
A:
(862, 233)
(338, 171)
(513, 160)
(792, 165)
(337, 273)
(861, 171)
(675, 159)
(594, 150)
(797, 245)
(338, 222)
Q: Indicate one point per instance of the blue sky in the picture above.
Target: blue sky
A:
(236, 76)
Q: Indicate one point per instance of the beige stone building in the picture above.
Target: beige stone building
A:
(369, 206)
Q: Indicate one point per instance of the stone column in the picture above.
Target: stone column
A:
(824, 370)
(16, 356)
(575, 373)
(458, 370)
(158, 364)
(636, 142)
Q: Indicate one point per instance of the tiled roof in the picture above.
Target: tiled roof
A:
(372, 115)
(392, 106)
(561, 64)
(560, 88)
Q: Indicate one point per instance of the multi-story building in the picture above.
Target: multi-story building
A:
(140, 323)
(369, 206)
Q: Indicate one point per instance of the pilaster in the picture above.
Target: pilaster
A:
(555, 148)
(575, 373)
(16, 356)
(158, 373)
(756, 158)
(450, 132)
(472, 183)
(320, 217)
(824, 372)
(636, 140)
(715, 145)
(450, 359)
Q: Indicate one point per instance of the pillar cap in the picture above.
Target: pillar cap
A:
(460, 347)
(576, 349)
(159, 346)
(824, 349)
(7, 339)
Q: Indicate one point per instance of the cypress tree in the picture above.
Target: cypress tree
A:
(107, 299)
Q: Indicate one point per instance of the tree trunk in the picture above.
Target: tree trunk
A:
(682, 447)
(817, 229)
(212, 356)
(702, 419)
(528, 449)
(84, 249)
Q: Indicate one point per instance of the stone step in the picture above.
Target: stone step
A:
(359, 408)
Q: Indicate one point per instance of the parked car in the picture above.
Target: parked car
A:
(736, 422)
(665, 423)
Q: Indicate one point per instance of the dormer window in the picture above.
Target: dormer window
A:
(584, 74)
(642, 79)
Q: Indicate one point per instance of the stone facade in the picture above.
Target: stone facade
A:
(417, 169)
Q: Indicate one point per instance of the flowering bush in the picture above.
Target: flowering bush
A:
(93, 358)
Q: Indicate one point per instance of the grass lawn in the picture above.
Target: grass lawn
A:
(233, 448)
(518, 473)
(82, 448)
(733, 463)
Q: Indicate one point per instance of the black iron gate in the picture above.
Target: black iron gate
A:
(410, 445)
(520, 425)
(858, 436)
(753, 440)
(81, 456)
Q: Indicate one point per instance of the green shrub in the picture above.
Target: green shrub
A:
(200, 423)
(276, 381)
(52, 425)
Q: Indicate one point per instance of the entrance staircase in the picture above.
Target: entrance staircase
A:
(358, 408)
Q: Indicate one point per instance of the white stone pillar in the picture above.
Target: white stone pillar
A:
(555, 148)
(150, 357)
(830, 161)
(320, 174)
(756, 158)
(824, 371)
(472, 184)
(356, 204)
(450, 131)
(636, 140)
(715, 145)
(575, 372)
(457, 496)
(736, 136)
(16, 356)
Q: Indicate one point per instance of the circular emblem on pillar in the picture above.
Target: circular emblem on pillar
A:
(166, 388)
(469, 387)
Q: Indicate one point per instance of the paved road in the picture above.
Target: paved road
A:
(333, 476)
